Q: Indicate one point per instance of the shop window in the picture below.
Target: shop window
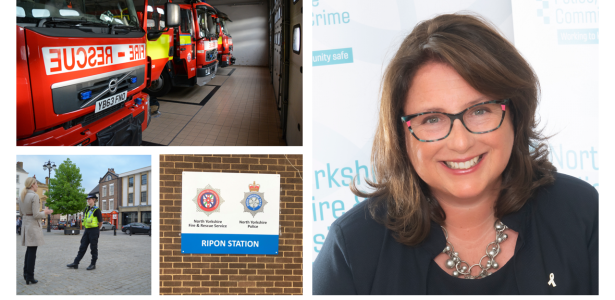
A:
(130, 217)
(146, 217)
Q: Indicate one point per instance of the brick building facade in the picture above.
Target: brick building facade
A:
(108, 189)
(224, 273)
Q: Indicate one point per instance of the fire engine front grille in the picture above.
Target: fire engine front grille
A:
(66, 95)
(211, 55)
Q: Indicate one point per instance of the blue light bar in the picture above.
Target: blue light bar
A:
(138, 101)
(133, 79)
(85, 95)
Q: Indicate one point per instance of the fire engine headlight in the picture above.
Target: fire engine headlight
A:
(133, 79)
(138, 101)
(85, 95)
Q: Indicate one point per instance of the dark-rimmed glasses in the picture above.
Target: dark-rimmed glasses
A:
(479, 118)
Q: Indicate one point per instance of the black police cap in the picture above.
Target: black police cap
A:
(92, 196)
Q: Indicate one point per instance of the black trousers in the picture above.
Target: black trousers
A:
(90, 237)
(29, 261)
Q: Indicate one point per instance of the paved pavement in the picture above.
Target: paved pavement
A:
(123, 266)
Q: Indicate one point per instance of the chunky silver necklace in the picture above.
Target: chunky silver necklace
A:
(493, 249)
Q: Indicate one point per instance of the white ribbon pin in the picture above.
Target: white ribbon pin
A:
(551, 282)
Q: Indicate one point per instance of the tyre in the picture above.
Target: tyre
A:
(161, 86)
(128, 231)
(102, 228)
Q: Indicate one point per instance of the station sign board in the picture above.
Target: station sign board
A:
(230, 213)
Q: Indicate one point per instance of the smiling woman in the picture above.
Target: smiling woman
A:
(463, 189)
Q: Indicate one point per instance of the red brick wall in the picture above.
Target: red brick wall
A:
(225, 273)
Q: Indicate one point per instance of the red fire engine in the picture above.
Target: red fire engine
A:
(81, 70)
(225, 41)
(194, 51)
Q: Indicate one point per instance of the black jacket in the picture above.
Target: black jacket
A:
(558, 233)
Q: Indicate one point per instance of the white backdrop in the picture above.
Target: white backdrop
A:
(353, 42)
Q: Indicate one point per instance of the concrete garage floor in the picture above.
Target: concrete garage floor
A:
(236, 108)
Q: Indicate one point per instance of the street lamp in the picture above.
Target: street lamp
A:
(49, 166)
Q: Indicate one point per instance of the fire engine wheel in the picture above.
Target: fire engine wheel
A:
(161, 86)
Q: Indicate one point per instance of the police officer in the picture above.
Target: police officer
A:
(92, 220)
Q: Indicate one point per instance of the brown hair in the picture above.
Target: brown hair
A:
(492, 66)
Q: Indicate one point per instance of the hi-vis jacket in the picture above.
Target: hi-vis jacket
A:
(91, 220)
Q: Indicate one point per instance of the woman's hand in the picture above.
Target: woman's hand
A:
(48, 211)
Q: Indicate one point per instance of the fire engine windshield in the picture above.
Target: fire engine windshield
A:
(206, 25)
(106, 12)
(223, 25)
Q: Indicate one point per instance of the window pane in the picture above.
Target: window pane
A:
(144, 179)
(129, 198)
(184, 21)
(297, 39)
(146, 217)
(131, 181)
(143, 196)
(155, 14)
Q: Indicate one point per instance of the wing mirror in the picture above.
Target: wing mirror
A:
(172, 15)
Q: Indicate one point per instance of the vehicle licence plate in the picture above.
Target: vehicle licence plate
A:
(110, 101)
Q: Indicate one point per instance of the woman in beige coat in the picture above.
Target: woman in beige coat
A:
(32, 234)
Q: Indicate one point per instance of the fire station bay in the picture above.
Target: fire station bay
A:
(159, 73)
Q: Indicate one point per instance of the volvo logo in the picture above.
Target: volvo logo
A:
(113, 84)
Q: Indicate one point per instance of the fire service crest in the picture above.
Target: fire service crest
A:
(208, 200)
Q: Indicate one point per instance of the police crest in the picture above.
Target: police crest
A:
(253, 201)
(208, 200)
